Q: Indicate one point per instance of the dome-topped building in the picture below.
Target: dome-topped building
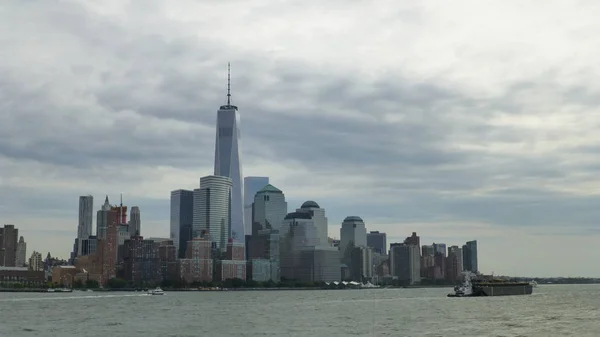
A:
(309, 204)
(353, 218)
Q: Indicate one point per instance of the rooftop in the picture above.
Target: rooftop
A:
(269, 189)
(310, 204)
(353, 218)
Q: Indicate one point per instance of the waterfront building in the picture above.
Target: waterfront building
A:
(182, 216)
(377, 241)
(454, 264)
(35, 262)
(352, 234)
(361, 267)
(198, 263)
(84, 226)
(21, 254)
(251, 186)
(469, 251)
(135, 221)
(9, 276)
(9, 236)
(228, 162)
(141, 261)
(234, 264)
(213, 202)
(405, 263)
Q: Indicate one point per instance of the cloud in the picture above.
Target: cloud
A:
(418, 116)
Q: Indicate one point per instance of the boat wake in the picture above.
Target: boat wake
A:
(33, 299)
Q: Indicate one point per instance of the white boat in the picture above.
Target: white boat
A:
(533, 283)
(157, 291)
(466, 289)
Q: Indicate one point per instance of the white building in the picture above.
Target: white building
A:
(352, 234)
(251, 186)
(212, 209)
(228, 163)
(269, 209)
(35, 262)
(86, 211)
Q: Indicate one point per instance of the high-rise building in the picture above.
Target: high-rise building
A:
(269, 209)
(135, 221)
(405, 263)
(141, 261)
(251, 186)
(35, 262)
(228, 163)
(108, 247)
(377, 241)
(352, 234)
(21, 253)
(197, 266)
(440, 248)
(9, 236)
(86, 211)
(454, 264)
(361, 268)
(317, 214)
(469, 252)
(182, 217)
(214, 205)
(102, 219)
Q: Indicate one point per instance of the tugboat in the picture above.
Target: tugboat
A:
(157, 291)
(472, 287)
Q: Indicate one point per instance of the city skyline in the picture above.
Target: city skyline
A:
(479, 133)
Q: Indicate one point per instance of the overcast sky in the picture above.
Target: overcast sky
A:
(458, 120)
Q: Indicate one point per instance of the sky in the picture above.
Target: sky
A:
(462, 120)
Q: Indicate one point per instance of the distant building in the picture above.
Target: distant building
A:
(108, 248)
(84, 226)
(469, 252)
(198, 263)
(89, 245)
(135, 222)
(318, 264)
(414, 240)
(21, 253)
(352, 234)
(234, 265)
(141, 261)
(268, 209)
(454, 264)
(317, 214)
(264, 256)
(439, 248)
(9, 276)
(35, 262)
(377, 241)
(361, 267)
(214, 205)
(251, 186)
(9, 236)
(405, 263)
(102, 220)
(182, 215)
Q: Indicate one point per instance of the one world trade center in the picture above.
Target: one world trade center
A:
(227, 160)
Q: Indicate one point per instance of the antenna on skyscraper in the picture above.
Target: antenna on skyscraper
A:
(228, 83)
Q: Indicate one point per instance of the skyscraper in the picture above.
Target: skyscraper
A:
(8, 245)
(469, 255)
(251, 186)
(214, 209)
(86, 211)
(317, 214)
(227, 161)
(182, 215)
(352, 234)
(102, 220)
(269, 209)
(135, 222)
(21, 253)
(377, 241)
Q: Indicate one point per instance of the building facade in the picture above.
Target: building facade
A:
(469, 251)
(102, 219)
(9, 236)
(454, 264)
(268, 209)
(214, 205)
(84, 226)
(35, 262)
(228, 162)
(182, 217)
(352, 234)
(377, 241)
(135, 222)
(21, 257)
(198, 263)
(405, 263)
(251, 186)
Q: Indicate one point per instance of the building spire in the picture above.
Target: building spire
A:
(228, 83)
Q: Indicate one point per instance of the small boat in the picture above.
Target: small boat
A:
(533, 283)
(157, 291)
(464, 290)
